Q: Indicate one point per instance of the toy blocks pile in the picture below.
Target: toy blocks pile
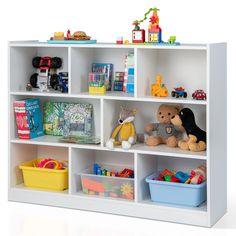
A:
(128, 86)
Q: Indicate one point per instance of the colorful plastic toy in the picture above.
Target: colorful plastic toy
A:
(196, 176)
(183, 177)
(199, 95)
(159, 89)
(154, 31)
(45, 76)
(125, 173)
(119, 40)
(179, 92)
(61, 83)
(172, 39)
(50, 164)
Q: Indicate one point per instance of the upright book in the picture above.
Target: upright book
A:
(28, 118)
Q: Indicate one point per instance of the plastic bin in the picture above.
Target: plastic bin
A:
(107, 186)
(176, 193)
(44, 178)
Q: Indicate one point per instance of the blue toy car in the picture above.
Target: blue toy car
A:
(62, 82)
(179, 92)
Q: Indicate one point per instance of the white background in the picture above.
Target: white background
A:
(198, 21)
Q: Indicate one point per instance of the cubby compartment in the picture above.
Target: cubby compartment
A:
(81, 65)
(146, 113)
(21, 62)
(96, 116)
(85, 182)
(178, 68)
(149, 164)
(23, 154)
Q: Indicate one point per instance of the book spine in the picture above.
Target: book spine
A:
(21, 120)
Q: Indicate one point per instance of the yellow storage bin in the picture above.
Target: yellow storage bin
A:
(97, 90)
(44, 178)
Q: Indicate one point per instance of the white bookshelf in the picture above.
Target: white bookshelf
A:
(191, 66)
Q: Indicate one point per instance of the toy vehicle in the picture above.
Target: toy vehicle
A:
(159, 89)
(179, 92)
(60, 83)
(199, 94)
(46, 67)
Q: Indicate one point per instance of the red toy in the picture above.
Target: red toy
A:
(126, 173)
(199, 95)
(138, 35)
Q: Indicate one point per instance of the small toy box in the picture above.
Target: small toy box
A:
(107, 186)
(44, 178)
(176, 193)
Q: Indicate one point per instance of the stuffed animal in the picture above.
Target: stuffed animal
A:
(124, 134)
(196, 140)
(163, 132)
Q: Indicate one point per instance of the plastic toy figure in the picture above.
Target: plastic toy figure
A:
(159, 89)
(179, 92)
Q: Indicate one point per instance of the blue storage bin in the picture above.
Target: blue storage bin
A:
(176, 193)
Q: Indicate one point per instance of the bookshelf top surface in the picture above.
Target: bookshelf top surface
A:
(36, 43)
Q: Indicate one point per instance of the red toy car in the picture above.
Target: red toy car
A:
(199, 95)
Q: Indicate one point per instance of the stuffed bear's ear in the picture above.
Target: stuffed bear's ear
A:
(179, 107)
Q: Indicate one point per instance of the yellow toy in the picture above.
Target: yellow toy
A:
(159, 89)
(124, 134)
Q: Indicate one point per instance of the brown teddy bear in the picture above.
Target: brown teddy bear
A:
(163, 132)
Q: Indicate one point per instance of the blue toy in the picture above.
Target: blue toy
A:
(183, 177)
(179, 92)
(62, 82)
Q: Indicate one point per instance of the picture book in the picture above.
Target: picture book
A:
(78, 119)
(53, 118)
(63, 119)
(28, 118)
(80, 139)
(106, 68)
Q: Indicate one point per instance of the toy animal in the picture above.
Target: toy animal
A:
(196, 141)
(124, 134)
(163, 132)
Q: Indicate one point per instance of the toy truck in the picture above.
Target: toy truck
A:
(179, 92)
(45, 75)
(159, 89)
(61, 83)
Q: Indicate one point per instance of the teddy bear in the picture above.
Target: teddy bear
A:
(163, 132)
(196, 140)
(124, 133)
